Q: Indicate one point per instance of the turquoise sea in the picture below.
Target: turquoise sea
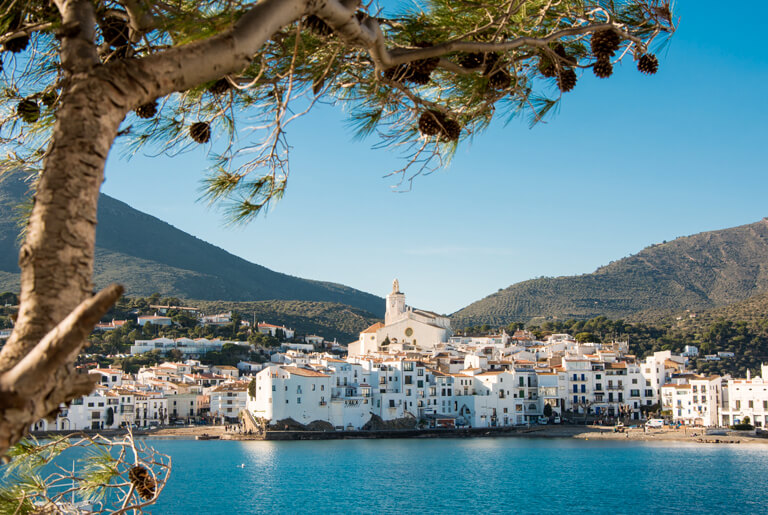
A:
(482, 475)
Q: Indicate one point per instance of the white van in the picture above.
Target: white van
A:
(655, 423)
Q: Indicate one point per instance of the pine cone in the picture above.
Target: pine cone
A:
(566, 81)
(143, 482)
(28, 110)
(648, 64)
(424, 66)
(219, 87)
(605, 43)
(318, 26)
(147, 110)
(546, 67)
(49, 99)
(499, 80)
(563, 54)
(17, 44)
(115, 31)
(603, 67)
(431, 122)
(420, 78)
(200, 132)
(451, 130)
(471, 60)
(397, 73)
(490, 63)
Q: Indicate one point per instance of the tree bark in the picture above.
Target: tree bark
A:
(57, 256)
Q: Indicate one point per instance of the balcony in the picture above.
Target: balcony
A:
(617, 387)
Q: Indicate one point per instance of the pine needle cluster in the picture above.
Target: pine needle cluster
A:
(503, 59)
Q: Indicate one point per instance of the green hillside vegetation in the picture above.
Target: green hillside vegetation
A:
(147, 255)
(331, 321)
(326, 319)
(696, 272)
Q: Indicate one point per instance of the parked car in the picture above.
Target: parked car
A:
(655, 423)
(556, 419)
(543, 420)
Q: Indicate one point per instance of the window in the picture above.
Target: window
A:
(391, 403)
(522, 380)
(274, 388)
(420, 372)
(314, 387)
(634, 380)
(750, 405)
(575, 388)
(583, 378)
(90, 405)
(420, 384)
(408, 379)
(738, 404)
(298, 400)
(598, 376)
(298, 389)
(408, 366)
(583, 388)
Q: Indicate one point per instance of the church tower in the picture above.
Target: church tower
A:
(395, 304)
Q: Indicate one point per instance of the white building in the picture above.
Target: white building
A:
(187, 346)
(154, 320)
(693, 400)
(228, 400)
(746, 398)
(404, 328)
(274, 330)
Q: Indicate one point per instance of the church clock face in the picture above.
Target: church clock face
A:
(409, 332)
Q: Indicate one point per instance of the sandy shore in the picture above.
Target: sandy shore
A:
(186, 431)
(694, 435)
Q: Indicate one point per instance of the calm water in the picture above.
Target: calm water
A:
(487, 475)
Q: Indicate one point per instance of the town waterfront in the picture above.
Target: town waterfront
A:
(485, 475)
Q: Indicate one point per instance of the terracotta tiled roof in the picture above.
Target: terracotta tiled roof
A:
(304, 372)
(375, 327)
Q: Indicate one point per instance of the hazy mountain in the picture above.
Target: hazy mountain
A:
(148, 255)
(702, 271)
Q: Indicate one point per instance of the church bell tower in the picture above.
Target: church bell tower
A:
(395, 304)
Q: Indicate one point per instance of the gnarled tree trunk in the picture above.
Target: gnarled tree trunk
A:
(57, 311)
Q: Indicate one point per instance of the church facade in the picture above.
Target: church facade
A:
(404, 328)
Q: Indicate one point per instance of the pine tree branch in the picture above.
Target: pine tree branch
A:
(61, 345)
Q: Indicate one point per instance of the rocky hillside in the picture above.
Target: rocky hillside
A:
(696, 272)
(148, 255)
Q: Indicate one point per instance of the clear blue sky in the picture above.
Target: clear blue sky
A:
(627, 162)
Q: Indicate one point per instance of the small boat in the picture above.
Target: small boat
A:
(206, 436)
